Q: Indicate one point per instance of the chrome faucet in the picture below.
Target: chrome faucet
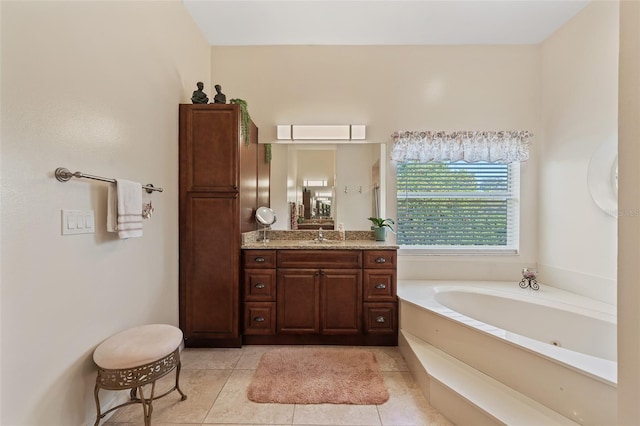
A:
(320, 234)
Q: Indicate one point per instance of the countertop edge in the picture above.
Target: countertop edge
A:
(328, 245)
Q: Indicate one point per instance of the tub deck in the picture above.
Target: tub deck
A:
(474, 375)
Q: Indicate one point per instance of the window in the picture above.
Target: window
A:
(458, 207)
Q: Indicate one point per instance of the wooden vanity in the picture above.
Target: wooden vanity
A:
(335, 294)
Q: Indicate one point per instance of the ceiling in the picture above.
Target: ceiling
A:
(379, 22)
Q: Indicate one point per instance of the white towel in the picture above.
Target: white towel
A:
(124, 209)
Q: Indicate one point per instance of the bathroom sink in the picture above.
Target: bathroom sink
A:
(305, 242)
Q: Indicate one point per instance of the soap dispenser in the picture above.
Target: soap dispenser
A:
(341, 235)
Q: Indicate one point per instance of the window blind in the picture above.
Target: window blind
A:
(458, 206)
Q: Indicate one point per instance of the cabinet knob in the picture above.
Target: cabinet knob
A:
(380, 319)
(260, 259)
(259, 285)
(381, 286)
(381, 260)
(258, 319)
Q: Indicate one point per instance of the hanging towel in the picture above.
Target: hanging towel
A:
(124, 208)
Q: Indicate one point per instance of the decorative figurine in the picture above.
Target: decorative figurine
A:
(219, 98)
(529, 279)
(199, 97)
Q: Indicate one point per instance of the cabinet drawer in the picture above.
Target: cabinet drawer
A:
(260, 285)
(379, 285)
(380, 318)
(319, 259)
(259, 258)
(380, 259)
(259, 318)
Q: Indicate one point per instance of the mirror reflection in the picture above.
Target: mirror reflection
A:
(329, 184)
(315, 187)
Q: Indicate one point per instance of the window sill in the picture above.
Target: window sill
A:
(462, 251)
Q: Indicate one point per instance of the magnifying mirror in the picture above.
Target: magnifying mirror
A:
(266, 217)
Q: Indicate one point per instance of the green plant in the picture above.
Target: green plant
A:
(245, 119)
(379, 222)
(267, 153)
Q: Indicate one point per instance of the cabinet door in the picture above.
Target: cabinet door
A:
(341, 301)
(209, 147)
(209, 267)
(298, 296)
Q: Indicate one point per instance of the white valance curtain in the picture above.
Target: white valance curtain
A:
(496, 147)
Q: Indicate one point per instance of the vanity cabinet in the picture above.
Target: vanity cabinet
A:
(259, 292)
(320, 297)
(220, 183)
(380, 301)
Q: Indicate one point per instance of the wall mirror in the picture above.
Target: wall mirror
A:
(335, 183)
(602, 177)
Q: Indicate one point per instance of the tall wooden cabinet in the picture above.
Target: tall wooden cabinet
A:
(221, 184)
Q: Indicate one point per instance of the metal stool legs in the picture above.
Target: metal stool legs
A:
(135, 379)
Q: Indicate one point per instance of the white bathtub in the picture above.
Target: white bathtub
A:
(562, 345)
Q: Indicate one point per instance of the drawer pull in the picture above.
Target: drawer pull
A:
(259, 285)
(258, 319)
(381, 286)
(380, 319)
(260, 259)
(381, 260)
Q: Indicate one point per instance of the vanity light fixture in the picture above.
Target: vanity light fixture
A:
(320, 133)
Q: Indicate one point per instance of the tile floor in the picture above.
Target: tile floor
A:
(216, 380)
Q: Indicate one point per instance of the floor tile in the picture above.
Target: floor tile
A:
(233, 406)
(201, 387)
(210, 359)
(336, 414)
(216, 380)
(390, 359)
(407, 404)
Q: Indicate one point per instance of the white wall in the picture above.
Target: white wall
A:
(577, 245)
(94, 87)
(391, 88)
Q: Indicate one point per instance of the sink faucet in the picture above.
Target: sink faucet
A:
(320, 234)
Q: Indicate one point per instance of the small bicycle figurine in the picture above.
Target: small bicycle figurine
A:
(529, 279)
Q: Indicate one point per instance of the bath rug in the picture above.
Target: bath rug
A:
(318, 376)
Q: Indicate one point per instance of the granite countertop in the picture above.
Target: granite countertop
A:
(306, 240)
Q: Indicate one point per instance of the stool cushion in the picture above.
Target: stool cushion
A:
(137, 346)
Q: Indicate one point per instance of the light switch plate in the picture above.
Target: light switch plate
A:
(78, 222)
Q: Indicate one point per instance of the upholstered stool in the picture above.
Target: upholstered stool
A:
(137, 357)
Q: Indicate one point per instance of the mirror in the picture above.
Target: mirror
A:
(602, 177)
(329, 184)
(266, 217)
(315, 186)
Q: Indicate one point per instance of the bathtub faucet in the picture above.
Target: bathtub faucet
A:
(529, 279)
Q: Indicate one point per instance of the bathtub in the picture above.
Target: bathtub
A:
(561, 346)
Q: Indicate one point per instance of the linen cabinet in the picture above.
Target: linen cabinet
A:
(221, 183)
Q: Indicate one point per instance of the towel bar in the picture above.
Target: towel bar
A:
(64, 175)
